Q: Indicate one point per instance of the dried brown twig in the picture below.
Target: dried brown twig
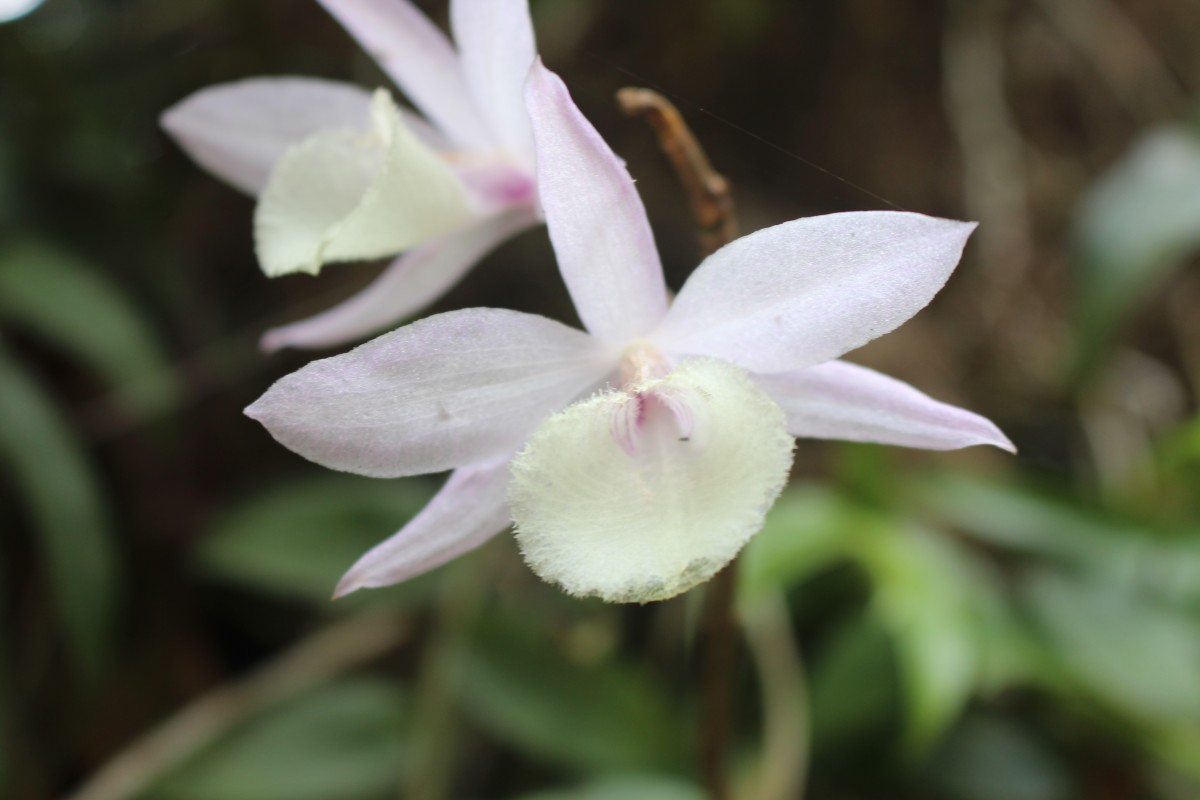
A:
(708, 190)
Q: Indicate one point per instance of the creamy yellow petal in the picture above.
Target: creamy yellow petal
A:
(345, 195)
(639, 495)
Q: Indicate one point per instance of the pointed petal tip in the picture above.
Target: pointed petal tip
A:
(538, 82)
(169, 121)
(349, 584)
(537, 72)
(272, 341)
(1003, 442)
(176, 118)
(257, 410)
(990, 434)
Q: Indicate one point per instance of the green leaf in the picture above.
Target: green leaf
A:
(1120, 552)
(1137, 656)
(54, 481)
(72, 305)
(805, 532)
(298, 539)
(600, 718)
(626, 787)
(1177, 745)
(346, 742)
(926, 595)
(1139, 221)
(989, 758)
(855, 690)
(1017, 519)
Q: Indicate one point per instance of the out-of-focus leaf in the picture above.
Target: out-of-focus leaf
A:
(925, 595)
(1176, 745)
(1138, 221)
(55, 484)
(631, 787)
(1183, 445)
(1017, 519)
(804, 533)
(298, 539)
(345, 742)
(1117, 552)
(601, 718)
(1178, 461)
(1136, 655)
(72, 305)
(855, 690)
(1175, 784)
(989, 758)
(1008, 652)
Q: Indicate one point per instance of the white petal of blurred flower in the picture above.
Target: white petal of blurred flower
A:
(15, 9)
(340, 176)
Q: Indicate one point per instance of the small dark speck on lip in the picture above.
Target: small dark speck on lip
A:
(685, 438)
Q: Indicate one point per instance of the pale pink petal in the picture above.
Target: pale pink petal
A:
(597, 222)
(419, 58)
(238, 131)
(449, 390)
(469, 510)
(807, 291)
(496, 45)
(412, 282)
(839, 400)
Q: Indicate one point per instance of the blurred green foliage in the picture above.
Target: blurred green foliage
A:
(61, 494)
(71, 305)
(1137, 223)
(345, 741)
(299, 538)
(593, 717)
(634, 787)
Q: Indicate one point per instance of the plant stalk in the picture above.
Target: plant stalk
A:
(711, 200)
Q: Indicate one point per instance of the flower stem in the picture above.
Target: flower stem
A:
(712, 205)
(786, 710)
(459, 603)
(709, 191)
(720, 642)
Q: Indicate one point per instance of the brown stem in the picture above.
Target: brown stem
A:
(708, 190)
(716, 718)
(712, 206)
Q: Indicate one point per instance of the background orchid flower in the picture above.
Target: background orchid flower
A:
(683, 438)
(342, 175)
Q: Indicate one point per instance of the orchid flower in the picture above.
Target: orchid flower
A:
(638, 458)
(342, 175)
